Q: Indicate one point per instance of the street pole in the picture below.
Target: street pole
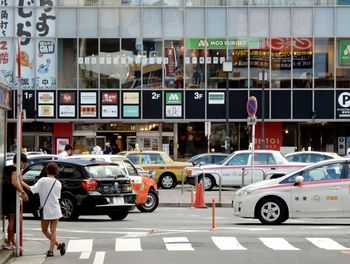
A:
(262, 141)
(227, 67)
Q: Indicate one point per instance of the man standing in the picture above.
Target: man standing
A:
(68, 151)
(13, 147)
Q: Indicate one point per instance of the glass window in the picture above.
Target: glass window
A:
(237, 2)
(195, 2)
(109, 71)
(131, 2)
(152, 63)
(216, 22)
(302, 22)
(33, 172)
(195, 68)
(131, 22)
(238, 22)
(109, 22)
(239, 159)
(327, 172)
(324, 22)
(173, 2)
(259, 60)
(66, 23)
(343, 63)
(343, 2)
(88, 63)
(194, 22)
(88, 22)
(130, 63)
(104, 171)
(259, 22)
(110, 2)
(239, 57)
(264, 159)
(324, 63)
(131, 169)
(67, 63)
(173, 22)
(69, 172)
(280, 22)
(152, 22)
(133, 157)
(302, 62)
(152, 2)
(281, 61)
(216, 77)
(342, 21)
(324, 2)
(174, 64)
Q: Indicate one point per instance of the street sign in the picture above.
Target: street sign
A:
(252, 106)
(251, 120)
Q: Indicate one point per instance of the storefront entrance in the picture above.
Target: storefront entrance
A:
(37, 141)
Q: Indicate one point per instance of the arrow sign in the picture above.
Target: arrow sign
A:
(252, 106)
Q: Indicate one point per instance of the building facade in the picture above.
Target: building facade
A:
(150, 72)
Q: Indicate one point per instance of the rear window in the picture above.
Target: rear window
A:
(105, 171)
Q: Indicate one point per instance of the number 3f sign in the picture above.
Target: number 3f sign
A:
(252, 106)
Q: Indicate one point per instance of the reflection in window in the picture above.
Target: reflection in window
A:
(109, 71)
(324, 63)
(195, 2)
(239, 57)
(88, 63)
(152, 63)
(67, 63)
(281, 62)
(259, 60)
(195, 68)
(174, 63)
(343, 63)
(215, 74)
(130, 63)
(302, 62)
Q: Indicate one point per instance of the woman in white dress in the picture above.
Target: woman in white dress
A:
(49, 190)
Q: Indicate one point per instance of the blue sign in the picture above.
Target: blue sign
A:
(252, 106)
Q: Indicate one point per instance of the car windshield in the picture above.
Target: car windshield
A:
(105, 171)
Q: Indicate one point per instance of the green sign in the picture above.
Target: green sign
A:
(344, 52)
(173, 98)
(222, 43)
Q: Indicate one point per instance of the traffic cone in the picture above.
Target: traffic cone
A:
(199, 203)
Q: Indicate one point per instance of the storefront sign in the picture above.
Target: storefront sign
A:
(343, 105)
(46, 111)
(344, 51)
(88, 97)
(46, 97)
(109, 111)
(173, 111)
(61, 143)
(216, 98)
(173, 98)
(273, 135)
(131, 111)
(109, 98)
(131, 98)
(67, 98)
(67, 111)
(88, 111)
(223, 43)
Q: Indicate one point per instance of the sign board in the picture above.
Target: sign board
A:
(252, 106)
(344, 51)
(251, 120)
(227, 66)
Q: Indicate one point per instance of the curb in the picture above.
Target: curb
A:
(225, 205)
(6, 255)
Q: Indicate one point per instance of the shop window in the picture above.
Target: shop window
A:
(302, 62)
(281, 61)
(88, 63)
(152, 63)
(237, 2)
(173, 2)
(87, 22)
(324, 63)
(152, 3)
(239, 58)
(130, 63)
(174, 63)
(324, 2)
(238, 22)
(109, 71)
(195, 68)
(195, 2)
(195, 22)
(259, 60)
(173, 22)
(67, 63)
(131, 22)
(259, 22)
(216, 77)
(343, 63)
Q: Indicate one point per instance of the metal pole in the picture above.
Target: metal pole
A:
(253, 147)
(227, 138)
(262, 142)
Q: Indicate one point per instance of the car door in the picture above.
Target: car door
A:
(346, 190)
(231, 173)
(321, 192)
(264, 164)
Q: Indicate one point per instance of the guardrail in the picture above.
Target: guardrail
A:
(252, 178)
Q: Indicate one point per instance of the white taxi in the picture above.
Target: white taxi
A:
(319, 190)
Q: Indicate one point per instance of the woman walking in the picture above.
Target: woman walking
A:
(49, 190)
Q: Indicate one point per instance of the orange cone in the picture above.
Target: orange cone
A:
(199, 203)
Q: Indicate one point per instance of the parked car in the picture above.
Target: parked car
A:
(147, 198)
(88, 188)
(318, 190)
(167, 172)
(207, 158)
(310, 156)
(34, 158)
(267, 164)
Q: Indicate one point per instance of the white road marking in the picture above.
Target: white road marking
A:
(82, 245)
(177, 244)
(136, 234)
(128, 244)
(227, 243)
(277, 243)
(326, 243)
(99, 257)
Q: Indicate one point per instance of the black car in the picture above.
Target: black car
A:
(207, 158)
(88, 188)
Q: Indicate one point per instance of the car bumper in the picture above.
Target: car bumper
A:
(244, 206)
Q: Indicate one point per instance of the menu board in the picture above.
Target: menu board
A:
(195, 104)
(152, 105)
(88, 105)
(67, 104)
(46, 104)
(109, 104)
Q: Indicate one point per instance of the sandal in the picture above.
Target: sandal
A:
(49, 253)
(62, 248)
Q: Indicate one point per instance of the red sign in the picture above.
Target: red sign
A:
(109, 98)
(252, 106)
(273, 135)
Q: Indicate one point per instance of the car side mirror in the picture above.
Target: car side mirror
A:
(194, 163)
(298, 180)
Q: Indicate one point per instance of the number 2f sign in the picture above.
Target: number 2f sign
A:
(252, 106)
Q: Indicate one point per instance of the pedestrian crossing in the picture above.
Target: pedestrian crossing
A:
(219, 243)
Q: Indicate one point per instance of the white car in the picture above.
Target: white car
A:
(310, 156)
(318, 190)
(268, 164)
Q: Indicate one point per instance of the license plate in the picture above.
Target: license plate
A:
(118, 200)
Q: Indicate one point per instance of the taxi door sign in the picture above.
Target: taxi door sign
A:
(252, 106)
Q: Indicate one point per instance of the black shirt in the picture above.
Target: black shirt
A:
(9, 189)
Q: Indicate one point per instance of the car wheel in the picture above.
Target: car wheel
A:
(151, 204)
(271, 211)
(119, 215)
(209, 182)
(167, 181)
(68, 208)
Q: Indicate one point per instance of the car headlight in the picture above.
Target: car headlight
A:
(245, 191)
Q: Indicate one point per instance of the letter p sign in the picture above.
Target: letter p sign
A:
(344, 99)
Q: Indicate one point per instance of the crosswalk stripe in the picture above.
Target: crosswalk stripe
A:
(128, 244)
(227, 243)
(277, 243)
(99, 257)
(177, 244)
(326, 243)
(81, 245)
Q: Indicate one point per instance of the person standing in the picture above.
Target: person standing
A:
(10, 187)
(49, 190)
(68, 151)
(13, 147)
(108, 148)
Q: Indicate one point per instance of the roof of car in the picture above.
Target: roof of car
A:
(141, 151)
(81, 162)
(333, 154)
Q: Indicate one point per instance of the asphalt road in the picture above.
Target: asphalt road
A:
(185, 235)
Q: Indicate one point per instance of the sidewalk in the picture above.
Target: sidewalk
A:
(33, 254)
